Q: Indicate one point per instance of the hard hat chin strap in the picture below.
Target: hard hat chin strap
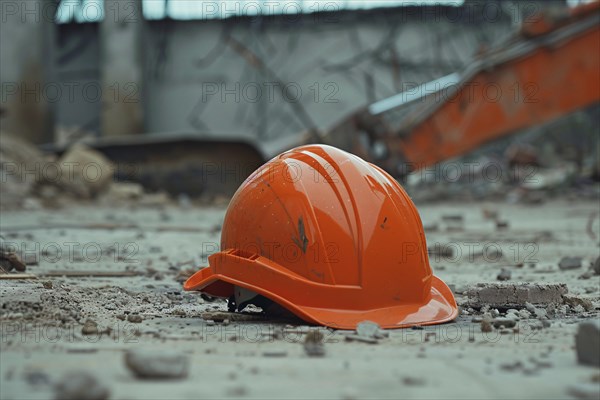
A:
(243, 297)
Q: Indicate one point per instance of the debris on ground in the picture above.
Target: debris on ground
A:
(587, 343)
(486, 324)
(220, 316)
(275, 353)
(575, 301)
(80, 385)
(134, 318)
(313, 343)
(85, 172)
(567, 263)
(504, 274)
(157, 365)
(367, 332)
(501, 295)
(122, 193)
(90, 327)
(10, 260)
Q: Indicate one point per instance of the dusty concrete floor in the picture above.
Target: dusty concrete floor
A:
(41, 319)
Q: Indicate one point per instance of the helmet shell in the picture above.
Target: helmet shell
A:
(331, 237)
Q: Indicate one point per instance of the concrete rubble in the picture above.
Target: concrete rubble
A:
(515, 295)
(587, 343)
(570, 263)
(157, 365)
(112, 306)
(81, 385)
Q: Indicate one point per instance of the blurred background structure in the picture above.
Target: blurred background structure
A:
(156, 67)
(250, 78)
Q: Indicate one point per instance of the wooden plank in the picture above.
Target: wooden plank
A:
(18, 276)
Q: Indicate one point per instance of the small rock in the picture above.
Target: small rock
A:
(134, 318)
(47, 284)
(157, 365)
(524, 314)
(575, 301)
(504, 275)
(370, 330)
(90, 327)
(313, 344)
(567, 263)
(80, 386)
(505, 322)
(275, 353)
(587, 343)
(501, 225)
(486, 325)
(596, 266)
(11, 260)
(586, 275)
(540, 313)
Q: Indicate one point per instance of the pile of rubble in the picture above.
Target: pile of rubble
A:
(529, 168)
(32, 180)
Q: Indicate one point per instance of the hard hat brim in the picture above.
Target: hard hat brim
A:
(439, 308)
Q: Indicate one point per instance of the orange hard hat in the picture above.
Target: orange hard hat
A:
(331, 238)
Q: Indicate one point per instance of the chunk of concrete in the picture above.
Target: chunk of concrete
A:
(85, 172)
(516, 295)
(574, 301)
(155, 365)
(567, 263)
(80, 385)
(587, 343)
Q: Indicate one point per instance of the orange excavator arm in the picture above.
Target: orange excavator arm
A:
(550, 69)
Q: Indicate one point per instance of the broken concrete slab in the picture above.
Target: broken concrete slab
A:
(587, 343)
(80, 385)
(516, 295)
(567, 263)
(157, 365)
